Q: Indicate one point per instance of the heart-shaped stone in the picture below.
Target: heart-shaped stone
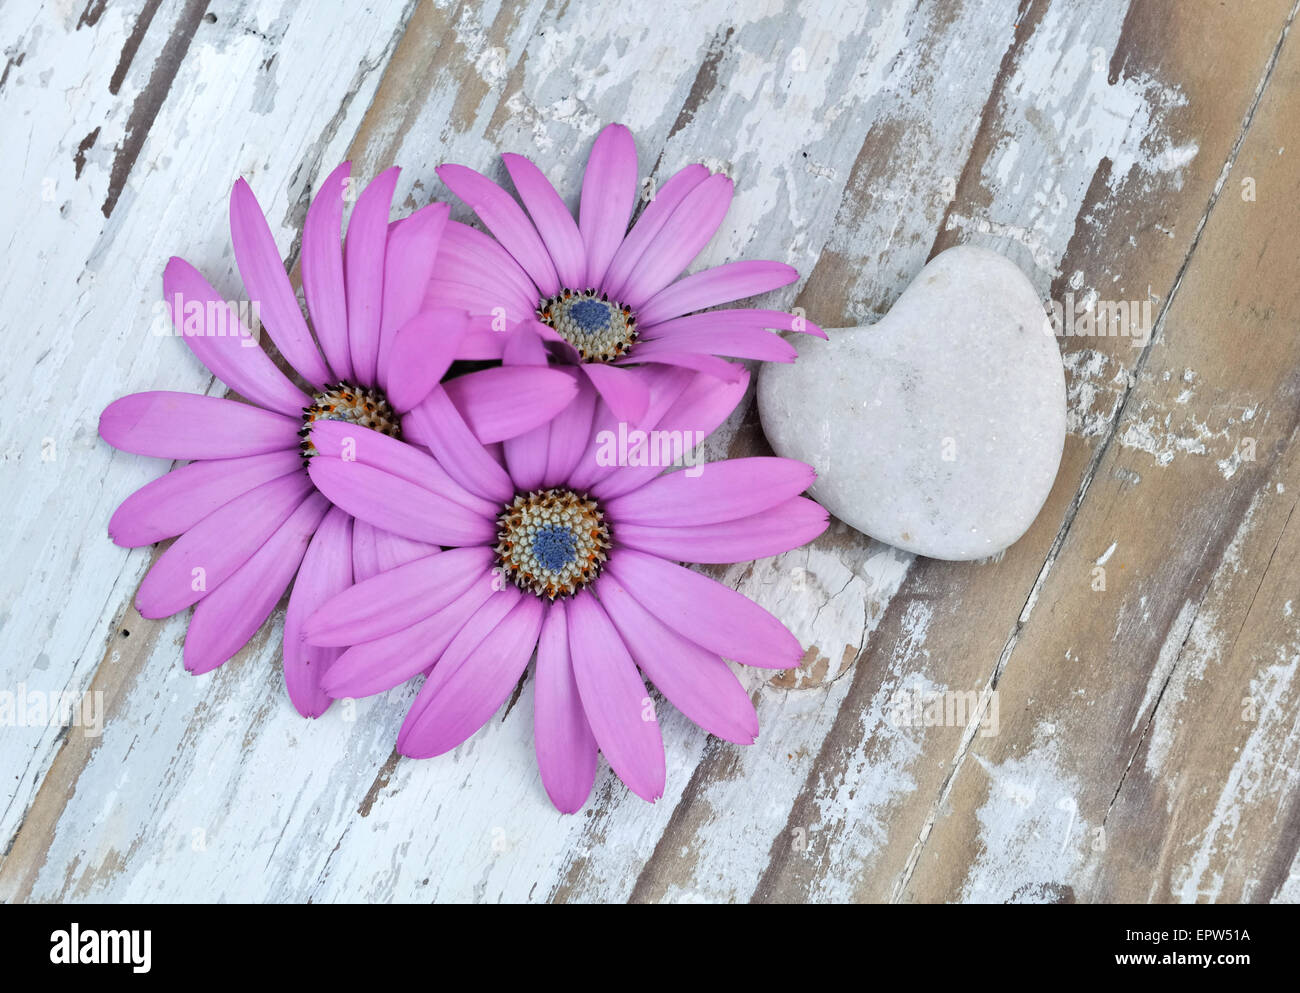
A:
(940, 428)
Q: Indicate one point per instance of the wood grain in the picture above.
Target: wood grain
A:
(1146, 743)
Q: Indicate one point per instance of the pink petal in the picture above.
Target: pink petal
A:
(486, 619)
(480, 344)
(408, 266)
(614, 699)
(398, 505)
(525, 453)
(702, 406)
(525, 457)
(338, 439)
(188, 426)
(691, 227)
(379, 665)
(444, 432)
(375, 550)
(392, 550)
(524, 345)
(464, 245)
(667, 389)
(609, 191)
(719, 491)
(203, 557)
(741, 343)
(716, 320)
(488, 337)
(710, 287)
(322, 271)
(566, 748)
(698, 683)
(554, 222)
(769, 532)
(569, 434)
(471, 257)
(326, 570)
(365, 550)
(649, 224)
(710, 365)
(706, 612)
(506, 401)
(627, 394)
(506, 220)
(174, 503)
(268, 286)
(666, 386)
(421, 352)
(394, 600)
(364, 255)
(484, 300)
(231, 614)
(475, 691)
(552, 337)
(214, 332)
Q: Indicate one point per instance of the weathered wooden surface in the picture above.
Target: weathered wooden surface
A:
(1147, 743)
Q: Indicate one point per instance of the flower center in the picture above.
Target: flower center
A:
(360, 405)
(600, 329)
(552, 542)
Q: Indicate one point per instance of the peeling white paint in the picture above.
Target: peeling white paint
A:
(1035, 845)
(1257, 779)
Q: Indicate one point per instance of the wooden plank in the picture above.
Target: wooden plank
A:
(164, 748)
(617, 833)
(86, 330)
(1088, 142)
(870, 789)
(835, 592)
(1160, 711)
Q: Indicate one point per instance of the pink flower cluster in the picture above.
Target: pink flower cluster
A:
(432, 521)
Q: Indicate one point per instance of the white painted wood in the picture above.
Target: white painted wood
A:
(79, 288)
(857, 137)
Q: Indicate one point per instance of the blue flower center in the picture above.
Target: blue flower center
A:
(552, 542)
(600, 329)
(554, 547)
(590, 315)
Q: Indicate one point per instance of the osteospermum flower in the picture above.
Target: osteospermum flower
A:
(606, 297)
(246, 511)
(556, 550)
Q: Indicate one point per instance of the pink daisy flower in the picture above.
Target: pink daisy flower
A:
(553, 549)
(244, 508)
(608, 298)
